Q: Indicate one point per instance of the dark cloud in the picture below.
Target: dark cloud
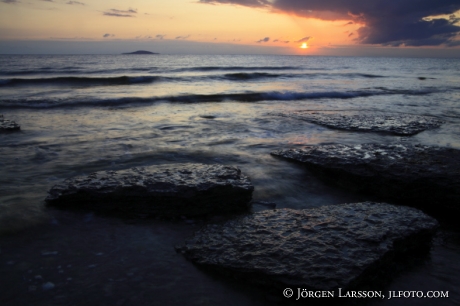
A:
(398, 22)
(250, 3)
(305, 39)
(160, 36)
(281, 41)
(74, 2)
(108, 35)
(120, 13)
(454, 43)
(182, 37)
(417, 33)
(128, 11)
(263, 40)
(10, 1)
(116, 14)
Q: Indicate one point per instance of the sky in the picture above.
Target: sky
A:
(300, 27)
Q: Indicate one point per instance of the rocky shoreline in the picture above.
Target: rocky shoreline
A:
(326, 248)
(172, 190)
(410, 175)
(334, 247)
(377, 122)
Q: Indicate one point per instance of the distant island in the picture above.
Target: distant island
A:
(141, 52)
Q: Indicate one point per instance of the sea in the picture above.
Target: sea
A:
(85, 113)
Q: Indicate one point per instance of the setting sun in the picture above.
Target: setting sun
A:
(304, 46)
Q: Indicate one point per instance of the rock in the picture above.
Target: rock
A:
(414, 175)
(325, 248)
(169, 190)
(391, 123)
(7, 125)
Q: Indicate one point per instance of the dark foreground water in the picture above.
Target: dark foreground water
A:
(80, 114)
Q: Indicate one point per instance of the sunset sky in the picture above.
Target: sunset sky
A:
(323, 27)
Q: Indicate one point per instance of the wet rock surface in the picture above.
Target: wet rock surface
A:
(392, 123)
(325, 248)
(164, 190)
(8, 125)
(413, 175)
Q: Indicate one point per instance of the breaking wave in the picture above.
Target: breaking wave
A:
(211, 98)
(146, 79)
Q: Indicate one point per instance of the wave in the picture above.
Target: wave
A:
(143, 79)
(198, 98)
(121, 80)
(39, 71)
(74, 70)
(83, 70)
(234, 68)
(129, 80)
(364, 75)
(241, 76)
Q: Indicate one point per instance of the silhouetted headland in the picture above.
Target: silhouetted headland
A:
(141, 52)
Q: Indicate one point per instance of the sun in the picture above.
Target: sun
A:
(304, 46)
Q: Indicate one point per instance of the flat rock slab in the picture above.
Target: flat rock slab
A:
(164, 190)
(381, 122)
(8, 125)
(413, 175)
(325, 248)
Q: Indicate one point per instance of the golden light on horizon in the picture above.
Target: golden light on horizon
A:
(304, 46)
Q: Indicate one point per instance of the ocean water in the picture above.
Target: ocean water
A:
(85, 113)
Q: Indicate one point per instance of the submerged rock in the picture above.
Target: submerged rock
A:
(325, 248)
(392, 123)
(8, 125)
(416, 175)
(164, 190)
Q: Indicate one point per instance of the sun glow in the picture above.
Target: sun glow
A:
(304, 46)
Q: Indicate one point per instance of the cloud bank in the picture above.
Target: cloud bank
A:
(384, 22)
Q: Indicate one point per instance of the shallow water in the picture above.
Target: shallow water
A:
(199, 114)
